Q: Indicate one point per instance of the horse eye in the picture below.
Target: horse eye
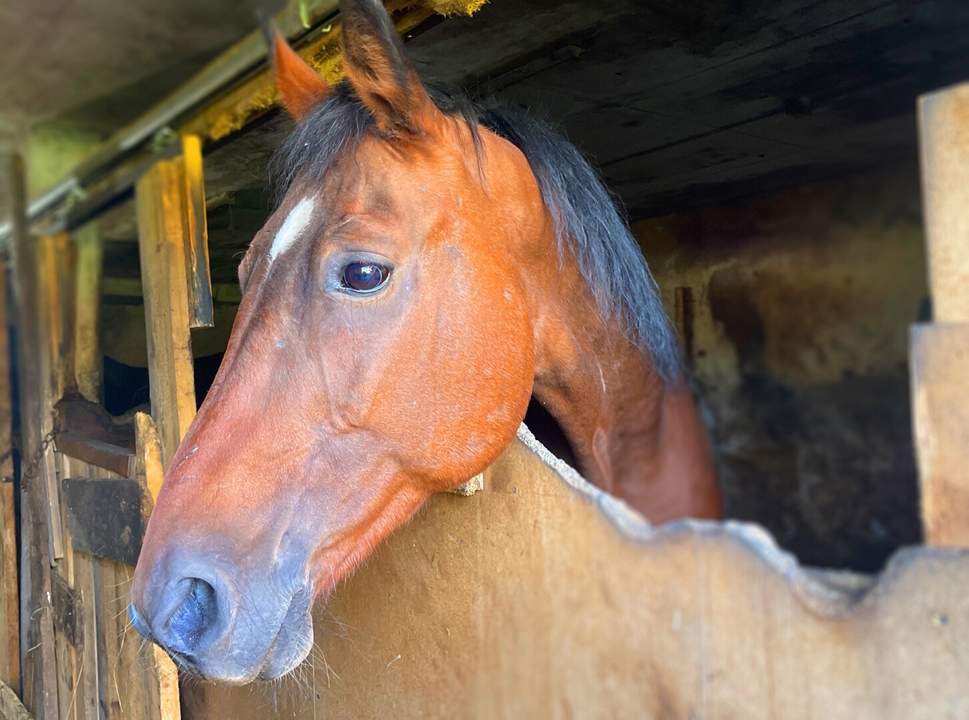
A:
(364, 277)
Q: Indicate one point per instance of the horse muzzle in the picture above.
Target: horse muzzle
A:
(228, 631)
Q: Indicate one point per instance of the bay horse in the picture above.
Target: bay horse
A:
(431, 266)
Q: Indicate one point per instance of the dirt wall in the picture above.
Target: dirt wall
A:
(796, 310)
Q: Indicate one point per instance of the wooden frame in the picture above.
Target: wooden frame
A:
(79, 658)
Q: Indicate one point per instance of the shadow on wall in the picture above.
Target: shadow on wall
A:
(799, 347)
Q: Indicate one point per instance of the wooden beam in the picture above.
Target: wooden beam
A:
(148, 455)
(163, 685)
(162, 240)
(940, 373)
(224, 293)
(87, 307)
(200, 308)
(944, 143)
(85, 431)
(37, 659)
(57, 258)
(9, 583)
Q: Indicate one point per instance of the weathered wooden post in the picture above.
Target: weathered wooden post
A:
(9, 597)
(178, 296)
(940, 350)
(37, 657)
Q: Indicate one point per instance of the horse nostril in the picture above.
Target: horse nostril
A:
(194, 615)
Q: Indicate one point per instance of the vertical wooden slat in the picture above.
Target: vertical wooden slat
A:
(55, 285)
(940, 351)
(200, 309)
(87, 312)
(162, 233)
(68, 667)
(37, 659)
(165, 229)
(944, 145)
(150, 472)
(9, 596)
(87, 377)
(683, 317)
(57, 263)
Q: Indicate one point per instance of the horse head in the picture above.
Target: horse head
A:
(399, 308)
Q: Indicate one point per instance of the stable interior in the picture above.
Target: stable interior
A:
(767, 160)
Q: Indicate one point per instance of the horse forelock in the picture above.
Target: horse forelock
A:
(587, 217)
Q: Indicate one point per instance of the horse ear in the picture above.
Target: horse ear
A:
(379, 71)
(300, 87)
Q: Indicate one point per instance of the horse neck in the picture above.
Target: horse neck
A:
(633, 434)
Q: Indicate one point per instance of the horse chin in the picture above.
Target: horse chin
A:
(292, 646)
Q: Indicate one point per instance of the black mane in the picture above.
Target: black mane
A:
(586, 216)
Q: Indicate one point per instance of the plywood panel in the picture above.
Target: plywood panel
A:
(543, 597)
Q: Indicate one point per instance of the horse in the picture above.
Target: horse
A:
(432, 266)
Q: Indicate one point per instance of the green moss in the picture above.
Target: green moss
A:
(54, 150)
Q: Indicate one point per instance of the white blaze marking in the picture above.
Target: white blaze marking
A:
(293, 226)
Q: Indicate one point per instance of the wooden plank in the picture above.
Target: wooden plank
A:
(87, 432)
(940, 378)
(115, 668)
(9, 596)
(162, 234)
(940, 415)
(683, 317)
(200, 307)
(10, 706)
(78, 419)
(106, 516)
(944, 144)
(87, 306)
(57, 258)
(37, 659)
(78, 416)
(86, 703)
(541, 596)
(150, 472)
(163, 230)
(130, 288)
(148, 455)
(137, 679)
(123, 663)
(55, 286)
(117, 459)
(65, 607)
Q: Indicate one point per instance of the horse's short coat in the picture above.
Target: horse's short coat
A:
(429, 269)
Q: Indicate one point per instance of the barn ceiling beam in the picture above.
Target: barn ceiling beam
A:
(225, 96)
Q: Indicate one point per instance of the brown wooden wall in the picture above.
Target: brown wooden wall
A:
(542, 597)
